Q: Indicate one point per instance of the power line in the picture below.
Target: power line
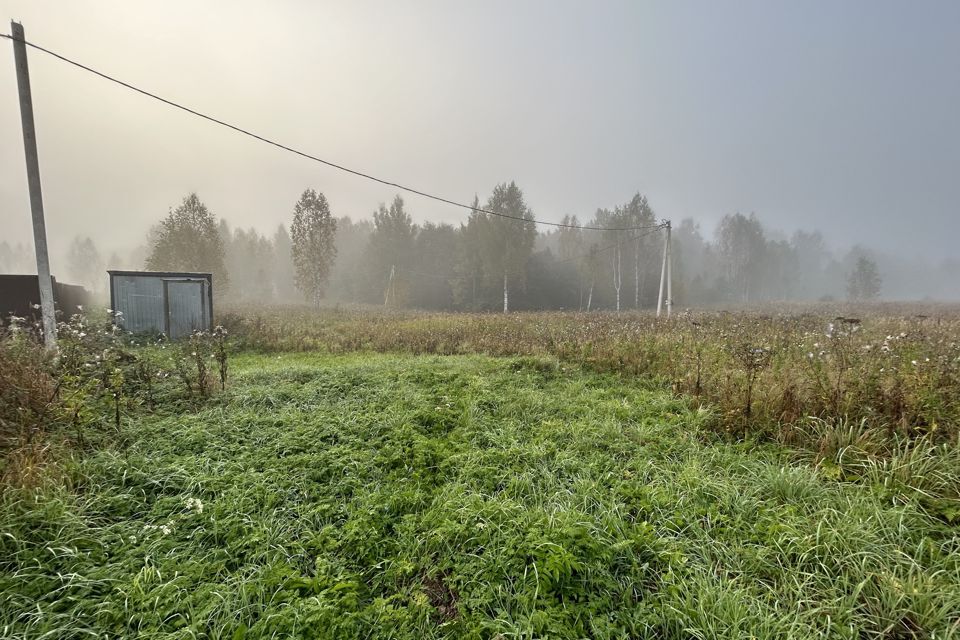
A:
(615, 244)
(304, 154)
(555, 262)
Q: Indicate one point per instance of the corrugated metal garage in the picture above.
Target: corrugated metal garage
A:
(173, 303)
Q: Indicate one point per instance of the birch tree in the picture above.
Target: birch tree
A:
(313, 235)
(613, 220)
(637, 213)
(741, 244)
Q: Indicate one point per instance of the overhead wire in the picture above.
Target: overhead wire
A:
(314, 158)
(615, 244)
(582, 256)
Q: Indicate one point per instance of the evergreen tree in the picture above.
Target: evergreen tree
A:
(313, 235)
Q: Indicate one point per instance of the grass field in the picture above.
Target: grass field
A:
(368, 495)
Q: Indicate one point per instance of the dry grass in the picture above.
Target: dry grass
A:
(28, 400)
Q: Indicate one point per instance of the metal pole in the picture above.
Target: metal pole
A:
(669, 271)
(33, 180)
(663, 272)
(386, 299)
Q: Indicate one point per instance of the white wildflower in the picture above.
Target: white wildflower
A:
(194, 504)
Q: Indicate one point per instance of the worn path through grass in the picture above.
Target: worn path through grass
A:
(416, 497)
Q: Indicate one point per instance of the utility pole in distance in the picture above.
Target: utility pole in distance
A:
(666, 278)
(33, 180)
(669, 269)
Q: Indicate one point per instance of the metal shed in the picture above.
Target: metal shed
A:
(174, 303)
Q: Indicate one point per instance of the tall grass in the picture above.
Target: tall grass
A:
(585, 484)
(78, 397)
(761, 372)
(379, 496)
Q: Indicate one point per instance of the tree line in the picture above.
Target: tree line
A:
(488, 262)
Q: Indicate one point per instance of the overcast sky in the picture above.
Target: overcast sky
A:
(842, 116)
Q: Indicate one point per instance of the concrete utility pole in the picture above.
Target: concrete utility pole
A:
(33, 180)
(665, 275)
(669, 269)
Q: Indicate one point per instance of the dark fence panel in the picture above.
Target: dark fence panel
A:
(20, 294)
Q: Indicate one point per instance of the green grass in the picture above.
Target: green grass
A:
(392, 496)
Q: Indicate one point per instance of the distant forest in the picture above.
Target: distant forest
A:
(388, 259)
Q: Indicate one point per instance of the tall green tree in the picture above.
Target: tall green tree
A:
(188, 240)
(741, 243)
(468, 287)
(313, 236)
(864, 281)
(509, 241)
(391, 251)
(569, 239)
(435, 266)
(637, 213)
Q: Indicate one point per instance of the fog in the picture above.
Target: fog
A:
(838, 118)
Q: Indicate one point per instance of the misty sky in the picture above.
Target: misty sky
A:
(842, 116)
